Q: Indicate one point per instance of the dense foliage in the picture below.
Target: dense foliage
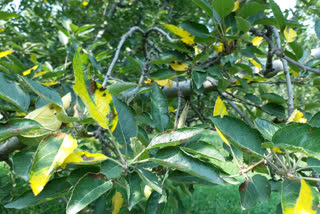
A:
(126, 105)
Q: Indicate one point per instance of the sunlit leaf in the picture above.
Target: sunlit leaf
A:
(99, 108)
(186, 37)
(51, 153)
(84, 158)
(117, 201)
(5, 53)
(177, 66)
(257, 40)
(289, 34)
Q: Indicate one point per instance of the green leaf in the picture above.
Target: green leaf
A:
(203, 149)
(54, 189)
(162, 75)
(164, 58)
(182, 177)
(315, 120)
(273, 98)
(137, 148)
(89, 188)
(239, 134)
(253, 191)
(317, 28)
(299, 137)
(243, 24)
(135, 190)
(22, 163)
(175, 137)
(196, 29)
(154, 205)
(297, 49)
(266, 128)
(44, 92)
(199, 78)
(111, 169)
(116, 88)
(150, 179)
(275, 109)
(250, 8)
(15, 127)
(50, 154)
(223, 7)
(173, 157)
(7, 15)
(204, 5)
(159, 109)
(277, 13)
(12, 93)
(127, 126)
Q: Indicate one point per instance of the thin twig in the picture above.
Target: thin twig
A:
(286, 71)
(179, 105)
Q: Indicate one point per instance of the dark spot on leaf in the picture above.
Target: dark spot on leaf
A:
(243, 186)
(267, 185)
(51, 107)
(310, 129)
(92, 87)
(247, 151)
(179, 63)
(85, 158)
(98, 176)
(104, 94)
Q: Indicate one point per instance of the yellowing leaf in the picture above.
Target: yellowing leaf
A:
(85, 3)
(290, 34)
(27, 72)
(257, 40)
(49, 83)
(218, 48)
(84, 158)
(148, 81)
(295, 73)
(255, 63)
(171, 109)
(1, 29)
(117, 201)
(304, 204)
(99, 109)
(228, 29)
(277, 150)
(236, 6)
(39, 74)
(219, 108)
(66, 100)
(297, 116)
(196, 50)
(5, 53)
(186, 37)
(167, 82)
(177, 66)
(51, 153)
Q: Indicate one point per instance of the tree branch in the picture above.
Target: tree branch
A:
(8, 147)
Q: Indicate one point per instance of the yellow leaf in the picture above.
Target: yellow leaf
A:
(228, 29)
(20, 114)
(219, 108)
(186, 37)
(39, 74)
(255, 63)
(85, 3)
(277, 150)
(297, 116)
(148, 81)
(46, 115)
(167, 82)
(257, 40)
(100, 109)
(218, 48)
(177, 66)
(39, 178)
(49, 83)
(5, 53)
(236, 6)
(290, 34)
(223, 137)
(83, 158)
(171, 109)
(196, 50)
(1, 29)
(117, 201)
(295, 73)
(27, 72)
